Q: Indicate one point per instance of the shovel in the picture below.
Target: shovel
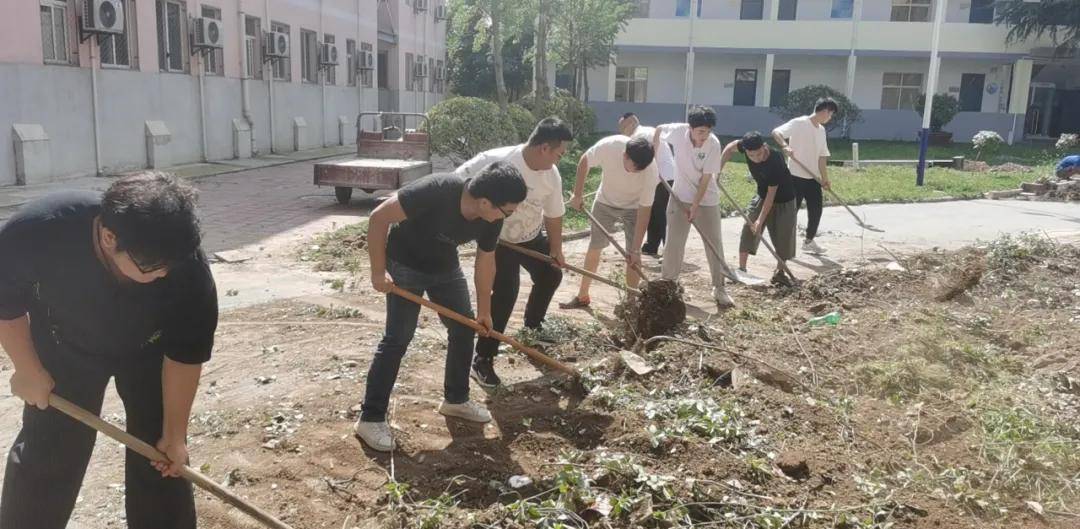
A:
(833, 194)
(144, 449)
(746, 218)
(529, 351)
(611, 238)
(548, 259)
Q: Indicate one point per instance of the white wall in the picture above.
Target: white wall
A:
(667, 76)
(714, 77)
(809, 70)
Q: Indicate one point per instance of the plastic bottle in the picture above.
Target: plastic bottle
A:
(832, 318)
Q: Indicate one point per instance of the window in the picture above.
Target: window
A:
(631, 83)
(281, 67)
(366, 75)
(788, 9)
(682, 7)
(745, 88)
(410, 72)
(751, 10)
(331, 71)
(910, 11)
(900, 90)
(971, 92)
(383, 65)
(309, 56)
(642, 9)
(252, 47)
(982, 12)
(440, 87)
(781, 85)
(842, 8)
(54, 31)
(172, 26)
(350, 65)
(431, 75)
(213, 60)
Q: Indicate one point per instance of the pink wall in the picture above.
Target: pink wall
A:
(22, 25)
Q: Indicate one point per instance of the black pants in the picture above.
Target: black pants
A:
(654, 236)
(508, 265)
(47, 463)
(810, 190)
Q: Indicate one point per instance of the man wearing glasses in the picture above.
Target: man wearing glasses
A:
(98, 287)
(431, 217)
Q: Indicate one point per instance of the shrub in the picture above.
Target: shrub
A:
(945, 107)
(578, 115)
(522, 121)
(801, 102)
(986, 141)
(1068, 141)
(463, 127)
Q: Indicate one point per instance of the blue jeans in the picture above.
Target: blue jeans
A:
(447, 289)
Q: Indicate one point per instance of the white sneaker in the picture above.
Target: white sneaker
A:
(377, 435)
(468, 410)
(812, 247)
(723, 300)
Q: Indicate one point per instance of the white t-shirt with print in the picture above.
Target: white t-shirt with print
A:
(544, 198)
(665, 162)
(807, 141)
(691, 162)
(620, 188)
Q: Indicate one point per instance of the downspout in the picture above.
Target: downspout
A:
(202, 105)
(270, 81)
(245, 98)
(322, 78)
(94, 111)
(356, 57)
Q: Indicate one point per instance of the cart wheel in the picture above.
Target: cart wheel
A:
(343, 194)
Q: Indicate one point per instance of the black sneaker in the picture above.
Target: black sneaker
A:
(483, 372)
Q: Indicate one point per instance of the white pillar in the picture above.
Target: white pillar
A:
(853, 60)
(774, 10)
(689, 92)
(766, 98)
(852, 64)
(1021, 86)
(610, 96)
(935, 64)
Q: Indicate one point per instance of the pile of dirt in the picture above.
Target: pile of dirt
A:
(961, 277)
(659, 310)
(1010, 168)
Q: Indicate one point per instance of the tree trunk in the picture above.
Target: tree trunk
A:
(540, 77)
(496, 50)
(585, 79)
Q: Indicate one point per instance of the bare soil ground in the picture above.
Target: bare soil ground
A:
(948, 396)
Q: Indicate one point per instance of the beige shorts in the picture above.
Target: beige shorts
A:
(607, 216)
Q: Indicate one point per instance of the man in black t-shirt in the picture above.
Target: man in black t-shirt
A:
(773, 206)
(432, 217)
(98, 287)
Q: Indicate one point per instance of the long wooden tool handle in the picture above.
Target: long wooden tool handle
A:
(469, 322)
(142, 448)
(611, 238)
(548, 259)
(831, 192)
(746, 218)
(708, 243)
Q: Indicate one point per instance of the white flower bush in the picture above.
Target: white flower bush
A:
(986, 141)
(1068, 141)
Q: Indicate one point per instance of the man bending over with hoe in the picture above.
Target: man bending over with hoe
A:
(94, 288)
(431, 217)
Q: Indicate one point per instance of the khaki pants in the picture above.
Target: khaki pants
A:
(707, 224)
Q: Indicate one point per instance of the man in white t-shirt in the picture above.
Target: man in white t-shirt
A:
(804, 139)
(630, 125)
(627, 179)
(697, 162)
(542, 211)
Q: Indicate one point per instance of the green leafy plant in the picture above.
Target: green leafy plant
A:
(944, 108)
(463, 127)
(801, 102)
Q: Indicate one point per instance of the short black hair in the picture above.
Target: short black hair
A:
(752, 141)
(500, 182)
(701, 116)
(640, 152)
(153, 217)
(629, 115)
(826, 103)
(551, 131)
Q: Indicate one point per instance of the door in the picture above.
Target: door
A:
(971, 92)
(1040, 109)
(745, 88)
(781, 85)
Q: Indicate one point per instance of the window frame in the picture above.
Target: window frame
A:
(164, 37)
(773, 99)
(912, 90)
(66, 9)
(735, 88)
(744, 14)
(284, 64)
(367, 77)
(910, 6)
(330, 74)
(352, 68)
(842, 9)
(632, 83)
(253, 47)
(683, 6)
(309, 56)
(780, 14)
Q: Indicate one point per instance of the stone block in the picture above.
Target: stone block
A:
(241, 133)
(32, 164)
(300, 139)
(158, 138)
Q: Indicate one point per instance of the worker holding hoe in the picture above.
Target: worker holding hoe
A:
(627, 186)
(804, 139)
(94, 288)
(537, 226)
(431, 217)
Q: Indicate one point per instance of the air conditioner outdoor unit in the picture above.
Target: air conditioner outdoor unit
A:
(328, 55)
(103, 16)
(207, 33)
(420, 5)
(421, 69)
(365, 60)
(440, 12)
(277, 44)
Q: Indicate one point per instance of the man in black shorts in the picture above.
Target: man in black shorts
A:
(431, 217)
(773, 206)
(98, 287)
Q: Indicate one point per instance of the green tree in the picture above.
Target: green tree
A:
(1058, 19)
(801, 102)
(471, 66)
(944, 109)
(493, 21)
(583, 36)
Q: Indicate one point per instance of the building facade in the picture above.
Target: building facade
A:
(740, 56)
(103, 86)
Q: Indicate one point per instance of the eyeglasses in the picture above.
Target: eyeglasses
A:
(146, 268)
(503, 211)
